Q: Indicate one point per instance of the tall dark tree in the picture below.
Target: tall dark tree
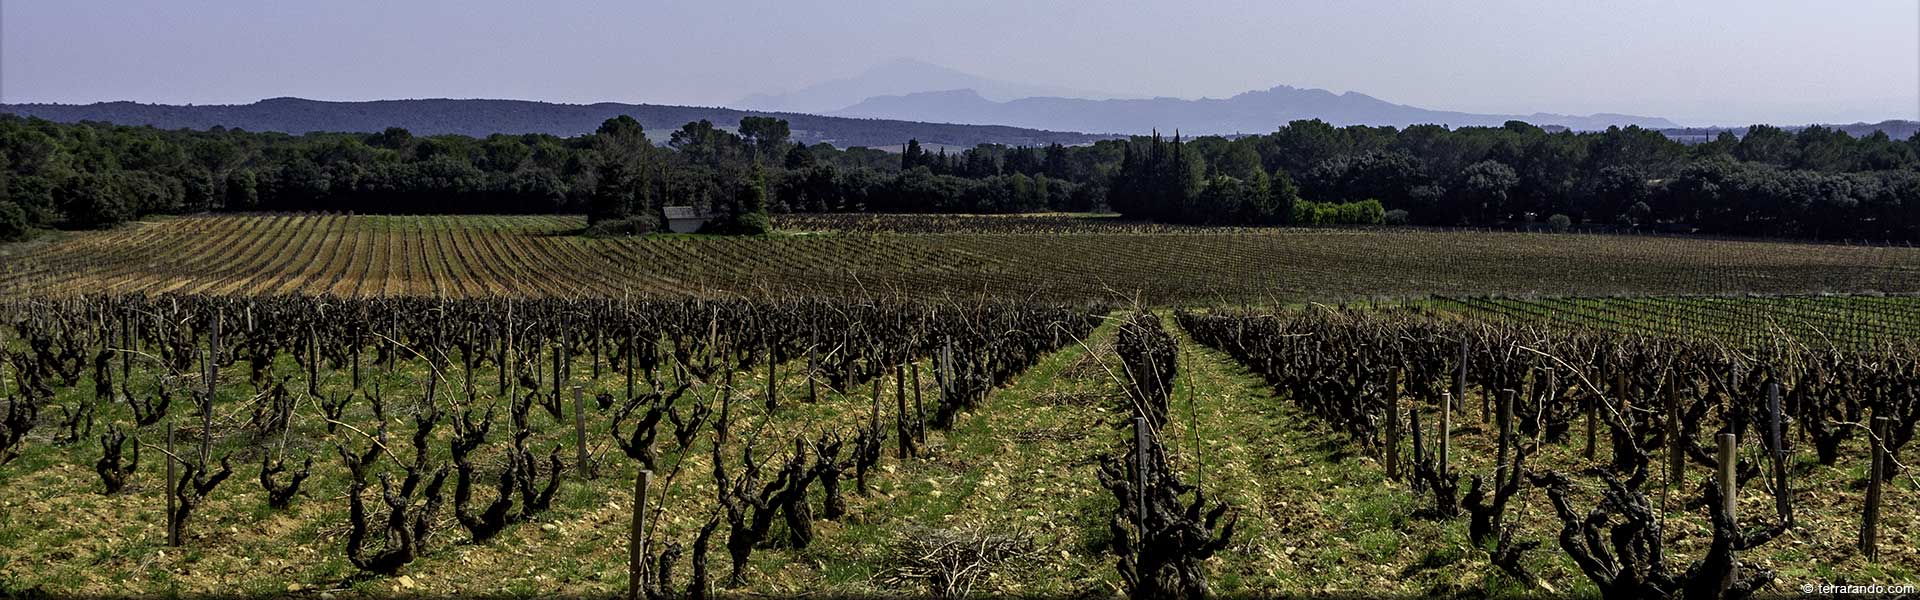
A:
(703, 144)
(94, 200)
(1482, 191)
(614, 193)
(912, 156)
(765, 137)
(798, 157)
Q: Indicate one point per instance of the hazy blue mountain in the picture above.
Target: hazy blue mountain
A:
(1250, 112)
(484, 117)
(902, 76)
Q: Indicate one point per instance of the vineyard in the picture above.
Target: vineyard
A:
(1744, 321)
(1666, 465)
(399, 406)
(536, 257)
(1029, 223)
(358, 416)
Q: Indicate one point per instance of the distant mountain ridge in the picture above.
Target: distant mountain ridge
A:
(1894, 128)
(897, 77)
(480, 118)
(1250, 112)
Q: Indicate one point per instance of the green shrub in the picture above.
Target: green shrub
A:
(1364, 212)
(13, 222)
(1396, 217)
(753, 223)
(741, 224)
(1559, 223)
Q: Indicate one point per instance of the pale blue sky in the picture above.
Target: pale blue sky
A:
(1698, 61)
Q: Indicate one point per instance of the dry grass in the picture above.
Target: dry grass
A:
(948, 562)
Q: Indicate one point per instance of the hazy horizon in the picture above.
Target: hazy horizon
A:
(1704, 63)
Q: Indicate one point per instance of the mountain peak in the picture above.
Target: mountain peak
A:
(959, 94)
(1256, 110)
(899, 77)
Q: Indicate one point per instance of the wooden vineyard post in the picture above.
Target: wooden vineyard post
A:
(596, 353)
(679, 368)
(1730, 492)
(393, 343)
(919, 409)
(1729, 485)
(559, 355)
(1419, 436)
(313, 363)
(1876, 471)
(1446, 434)
(1460, 381)
(580, 432)
(905, 447)
(126, 354)
(1593, 413)
(846, 363)
(1676, 460)
(1782, 494)
(213, 377)
(1393, 425)
(813, 368)
(878, 375)
(1800, 419)
(506, 349)
(1140, 466)
(173, 529)
(900, 387)
(468, 361)
(637, 538)
(1733, 389)
(772, 378)
(1553, 388)
(1624, 408)
(1506, 433)
(946, 367)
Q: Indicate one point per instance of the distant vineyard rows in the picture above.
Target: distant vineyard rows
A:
(1746, 321)
(529, 257)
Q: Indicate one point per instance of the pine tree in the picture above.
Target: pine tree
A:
(912, 156)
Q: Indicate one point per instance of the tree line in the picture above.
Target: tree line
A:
(1814, 182)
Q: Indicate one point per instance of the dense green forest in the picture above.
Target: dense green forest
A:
(1816, 182)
